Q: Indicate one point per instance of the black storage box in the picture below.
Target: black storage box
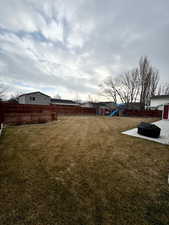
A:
(149, 130)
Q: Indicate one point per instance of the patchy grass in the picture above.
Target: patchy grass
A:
(82, 171)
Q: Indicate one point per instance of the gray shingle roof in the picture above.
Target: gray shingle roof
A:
(160, 96)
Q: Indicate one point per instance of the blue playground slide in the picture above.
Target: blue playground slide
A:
(114, 113)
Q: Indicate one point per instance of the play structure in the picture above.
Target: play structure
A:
(114, 113)
(118, 109)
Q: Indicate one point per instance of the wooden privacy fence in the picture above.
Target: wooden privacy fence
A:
(1, 119)
(16, 114)
(143, 113)
(1, 113)
(73, 110)
(12, 113)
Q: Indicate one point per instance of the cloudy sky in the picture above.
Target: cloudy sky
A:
(68, 47)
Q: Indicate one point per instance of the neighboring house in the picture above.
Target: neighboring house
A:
(56, 101)
(109, 105)
(158, 101)
(133, 106)
(102, 108)
(88, 105)
(35, 98)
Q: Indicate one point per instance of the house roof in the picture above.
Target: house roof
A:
(97, 103)
(55, 100)
(106, 103)
(30, 93)
(160, 96)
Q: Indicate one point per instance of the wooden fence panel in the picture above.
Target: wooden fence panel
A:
(12, 113)
(143, 113)
(1, 113)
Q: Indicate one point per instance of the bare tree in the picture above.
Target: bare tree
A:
(130, 85)
(149, 79)
(154, 82)
(14, 97)
(108, 89)
(77, 98)
(125, 87)
(139, 84)
(163, 89)
(91, 99)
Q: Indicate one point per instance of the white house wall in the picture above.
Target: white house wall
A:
(22, 100)
(160, 101)
(39, 99)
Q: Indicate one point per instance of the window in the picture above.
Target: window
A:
(32, 98)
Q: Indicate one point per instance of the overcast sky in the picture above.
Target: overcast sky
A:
(68, 47)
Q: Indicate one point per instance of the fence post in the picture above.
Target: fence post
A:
(1, 112)
(1, 117)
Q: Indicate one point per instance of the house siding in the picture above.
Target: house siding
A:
(22, 100)
(160, 101)
(35, 99)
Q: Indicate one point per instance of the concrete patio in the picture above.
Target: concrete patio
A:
(164, 136)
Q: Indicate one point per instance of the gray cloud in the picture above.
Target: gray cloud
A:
(72, 46)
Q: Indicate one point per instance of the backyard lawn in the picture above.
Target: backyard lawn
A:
(82, 171)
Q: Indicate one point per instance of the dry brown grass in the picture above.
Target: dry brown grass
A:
(82, 171)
